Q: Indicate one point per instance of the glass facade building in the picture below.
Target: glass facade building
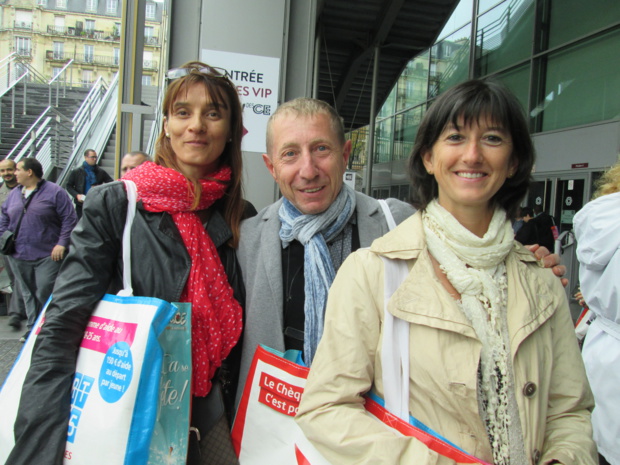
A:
(560, 58)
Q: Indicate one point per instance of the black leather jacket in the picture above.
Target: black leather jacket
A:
(160, 267)
(76, 182)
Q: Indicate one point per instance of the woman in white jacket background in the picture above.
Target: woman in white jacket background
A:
(598, 250)
(494, 365)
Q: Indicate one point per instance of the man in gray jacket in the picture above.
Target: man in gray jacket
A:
(290, 251)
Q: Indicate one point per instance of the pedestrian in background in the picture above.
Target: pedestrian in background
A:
(83, 178)
(598, 252)
(43, 234)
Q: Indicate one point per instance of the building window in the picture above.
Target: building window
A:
(59, 48)
(42, 2)
(89, 26)
(149, 36)
(91, 5)
(61, 4)
(151, 9)
(89, 53)
(571, 19)
(23, 19)
(117, 56)
(87, 77)
(146, 80)
(55, 71)
(504, 36)
(23, 46)
(581, 84)
(111, 6)
(147, 60)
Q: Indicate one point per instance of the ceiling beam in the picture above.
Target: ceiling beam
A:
(382, 28)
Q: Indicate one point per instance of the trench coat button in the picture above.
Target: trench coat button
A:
(535, 456)
(529, 389)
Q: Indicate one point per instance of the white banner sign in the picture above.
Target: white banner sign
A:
(257, 80)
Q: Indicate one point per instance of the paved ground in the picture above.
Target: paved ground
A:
(9, 346)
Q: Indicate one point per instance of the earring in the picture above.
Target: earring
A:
(430, 172)
(168, 135)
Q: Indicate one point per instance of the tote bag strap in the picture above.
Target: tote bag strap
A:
(388, 214)
(395, 345)
(132, 196)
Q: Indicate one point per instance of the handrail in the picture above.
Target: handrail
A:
(35, 129)
(150, 145)
(94, 92)
(13, 84)
(11, 74)
(8, 57)
(40, 78)
(95, 131)
(60, 72)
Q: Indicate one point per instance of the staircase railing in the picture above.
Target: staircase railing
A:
(93, 127)
(14, 70)
(47, 139)
(156, 123)
(56, 80)
(89, 108)
(9, 74)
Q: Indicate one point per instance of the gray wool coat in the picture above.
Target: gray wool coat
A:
(260, 258)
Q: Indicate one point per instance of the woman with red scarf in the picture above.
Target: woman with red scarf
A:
(183, 250)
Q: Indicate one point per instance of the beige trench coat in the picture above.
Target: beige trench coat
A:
(551, 388)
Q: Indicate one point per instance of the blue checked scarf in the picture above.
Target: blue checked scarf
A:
(314, 231)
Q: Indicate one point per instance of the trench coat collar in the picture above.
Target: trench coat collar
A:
(421, 298)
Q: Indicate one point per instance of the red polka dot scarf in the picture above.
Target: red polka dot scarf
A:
(216, 315)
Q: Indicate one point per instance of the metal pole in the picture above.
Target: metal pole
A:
(317, 63)
(25, 95)
(370, 147)
(13, 107)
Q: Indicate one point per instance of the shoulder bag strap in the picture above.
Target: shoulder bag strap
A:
(21, 216)
(388, 214)
(395, 343)
(132, 195)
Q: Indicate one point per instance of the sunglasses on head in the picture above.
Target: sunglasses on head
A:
(176, 73)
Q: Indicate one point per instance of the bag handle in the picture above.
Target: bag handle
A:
(395, 344)
(388, 214)
(132, 196)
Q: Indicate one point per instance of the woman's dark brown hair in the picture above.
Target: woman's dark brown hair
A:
(473, 101)
(222, 91)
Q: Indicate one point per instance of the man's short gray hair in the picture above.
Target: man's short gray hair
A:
(307, 107)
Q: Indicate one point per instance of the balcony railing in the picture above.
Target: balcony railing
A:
(71, 31)
(151, 40)
(22, 52)
(149, 64)
(83, 58)
(27, 25)
(55, 55)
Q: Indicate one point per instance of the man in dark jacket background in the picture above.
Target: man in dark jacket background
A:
(83, 178)
(537, 229)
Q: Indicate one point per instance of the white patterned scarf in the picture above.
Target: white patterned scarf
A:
(314, 231)
(475, 266)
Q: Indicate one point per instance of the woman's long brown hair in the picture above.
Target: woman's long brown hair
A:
(219, 89)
